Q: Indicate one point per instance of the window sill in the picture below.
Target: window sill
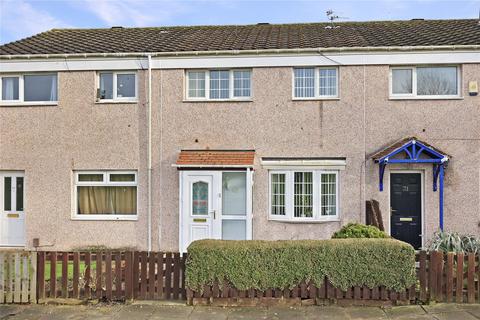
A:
(116, 101)
(304, 221)
(426, 98)
(29, 104)
(317, 99)
(105, 218)
(217, 100)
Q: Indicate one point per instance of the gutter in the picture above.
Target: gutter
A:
(244, 52)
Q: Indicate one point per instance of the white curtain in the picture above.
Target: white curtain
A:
(53, 89)
(8, 85)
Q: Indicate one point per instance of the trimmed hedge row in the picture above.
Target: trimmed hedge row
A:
(284, 264)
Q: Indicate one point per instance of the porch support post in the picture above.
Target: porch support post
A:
(440, 196)
(381, 172)
(436, 171)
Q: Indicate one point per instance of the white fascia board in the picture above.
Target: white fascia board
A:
(332, 164)
(242, 61)
(392, 58)
(77, 64)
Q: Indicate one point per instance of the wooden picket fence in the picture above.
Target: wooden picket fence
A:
(440, 277)
(18, 277)
(114, 275)
(223, 294)
(111, 275)
(449, 277)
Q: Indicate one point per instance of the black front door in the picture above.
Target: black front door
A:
(406, 207)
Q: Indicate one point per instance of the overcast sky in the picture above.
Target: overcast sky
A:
(23, 18)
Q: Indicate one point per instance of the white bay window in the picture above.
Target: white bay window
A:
(425, 82)
(303, 195)
(218, 85)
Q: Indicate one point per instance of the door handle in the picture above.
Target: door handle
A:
(214, 214)
(392, 210)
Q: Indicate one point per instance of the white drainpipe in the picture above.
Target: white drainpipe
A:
(149, 166)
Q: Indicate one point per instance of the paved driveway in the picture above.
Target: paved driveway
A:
(139, 311)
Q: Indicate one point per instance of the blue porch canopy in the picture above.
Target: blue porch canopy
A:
(412, 150)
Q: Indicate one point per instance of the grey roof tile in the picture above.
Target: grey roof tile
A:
(250, 37)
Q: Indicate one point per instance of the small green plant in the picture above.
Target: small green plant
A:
(357, 230)
(454, 242)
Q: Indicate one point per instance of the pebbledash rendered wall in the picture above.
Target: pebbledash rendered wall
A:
(49, 142)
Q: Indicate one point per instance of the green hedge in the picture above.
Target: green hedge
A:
(358, 230)
(284, 264)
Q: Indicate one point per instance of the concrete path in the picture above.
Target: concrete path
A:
(158, 311)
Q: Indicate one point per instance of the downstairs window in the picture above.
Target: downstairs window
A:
(109, 195)
(304, 195)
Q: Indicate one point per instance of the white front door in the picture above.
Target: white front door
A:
(214, 205)
(12, 215)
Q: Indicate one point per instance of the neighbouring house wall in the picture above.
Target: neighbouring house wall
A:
(453, 126)
(49, 142)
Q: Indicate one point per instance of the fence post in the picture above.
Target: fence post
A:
(76, 274)
(98, 274)
(41, 275)
(449, 270)
(33, 279)
(439, 271)
(478, 277)
(129, 275)
(459, 293)
(432, 276)
(471, 278)
(108, 274)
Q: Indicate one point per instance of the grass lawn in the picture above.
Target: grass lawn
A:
(58, 271)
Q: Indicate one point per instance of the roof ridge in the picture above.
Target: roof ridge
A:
(413, 20)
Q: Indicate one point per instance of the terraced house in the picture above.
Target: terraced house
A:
(154, 137)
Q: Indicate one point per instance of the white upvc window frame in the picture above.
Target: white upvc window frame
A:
(21, 89)
(414, 95)
(106, 182)
(115, 98)
(289, 196)
(316, 88)
(207, 97)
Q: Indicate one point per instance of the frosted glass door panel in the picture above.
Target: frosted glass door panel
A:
(234, 193)
(234, 230)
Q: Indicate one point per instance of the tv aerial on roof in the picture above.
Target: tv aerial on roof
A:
(332, 17)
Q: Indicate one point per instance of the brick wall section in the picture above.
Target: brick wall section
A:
(216, 157)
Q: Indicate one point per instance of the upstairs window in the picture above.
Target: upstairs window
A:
(303, 195)
(315, 83)
(29, 88)
(117, 86)
(219, 85)
(425, 82)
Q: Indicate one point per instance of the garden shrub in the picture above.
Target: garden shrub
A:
(284, 264)
(454, 242)
(357, 230)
